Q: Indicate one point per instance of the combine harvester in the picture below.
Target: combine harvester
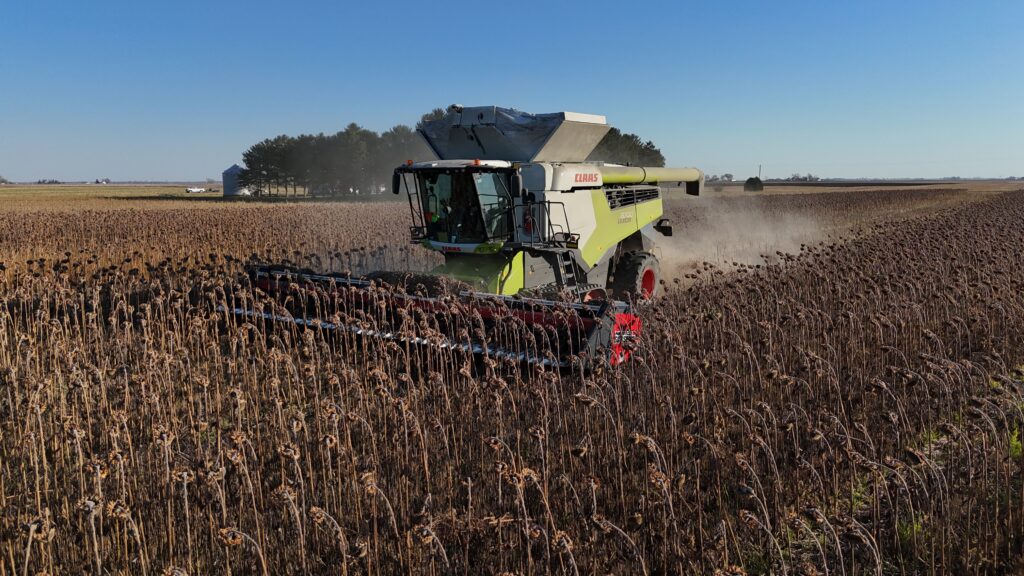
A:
(545, 254)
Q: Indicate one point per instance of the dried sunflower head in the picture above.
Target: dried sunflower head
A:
(229, 537)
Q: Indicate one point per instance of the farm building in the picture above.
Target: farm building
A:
(229, 179)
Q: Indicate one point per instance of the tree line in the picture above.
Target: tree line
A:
(352, 161)
(628, 149)
(357, 161)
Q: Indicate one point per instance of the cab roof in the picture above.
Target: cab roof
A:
(461, 164)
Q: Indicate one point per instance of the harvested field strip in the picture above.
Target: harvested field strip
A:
(729, 230)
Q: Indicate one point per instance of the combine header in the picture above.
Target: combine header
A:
(545, 253)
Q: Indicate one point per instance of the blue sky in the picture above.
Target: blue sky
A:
(177, 90)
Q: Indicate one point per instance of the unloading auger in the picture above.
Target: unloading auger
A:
(545, 254)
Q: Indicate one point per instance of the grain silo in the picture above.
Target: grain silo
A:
(230, 180)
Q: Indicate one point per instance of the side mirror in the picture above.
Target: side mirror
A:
(396, 182)
(664, 227)
(517, 183)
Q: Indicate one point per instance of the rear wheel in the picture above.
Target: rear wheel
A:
(637, 276)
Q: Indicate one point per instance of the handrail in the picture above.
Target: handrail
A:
(544, 239)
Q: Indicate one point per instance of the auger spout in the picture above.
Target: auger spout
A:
(640, 175)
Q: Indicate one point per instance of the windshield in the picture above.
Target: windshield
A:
(463, 207)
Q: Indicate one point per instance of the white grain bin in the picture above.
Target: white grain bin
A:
(230, 180)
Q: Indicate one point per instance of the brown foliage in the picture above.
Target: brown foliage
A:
(851, 408)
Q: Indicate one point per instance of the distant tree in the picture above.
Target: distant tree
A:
(435, 114)
(727, 177)
(279, 150)
(351, 157)
(797, 177)
(394, 148)
(715, 181)
(300, 161)
(266, 166)
(628, 149)
(261, 169)
(3, 180)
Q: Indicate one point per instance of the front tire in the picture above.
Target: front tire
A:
(637, 276)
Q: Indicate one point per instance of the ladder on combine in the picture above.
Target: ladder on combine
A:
(571, 276)
(568, 272)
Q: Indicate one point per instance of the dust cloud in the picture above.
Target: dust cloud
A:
(730, 231)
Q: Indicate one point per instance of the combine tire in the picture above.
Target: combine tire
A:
(637, 276)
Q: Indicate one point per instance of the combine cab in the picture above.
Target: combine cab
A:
(545, 253)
